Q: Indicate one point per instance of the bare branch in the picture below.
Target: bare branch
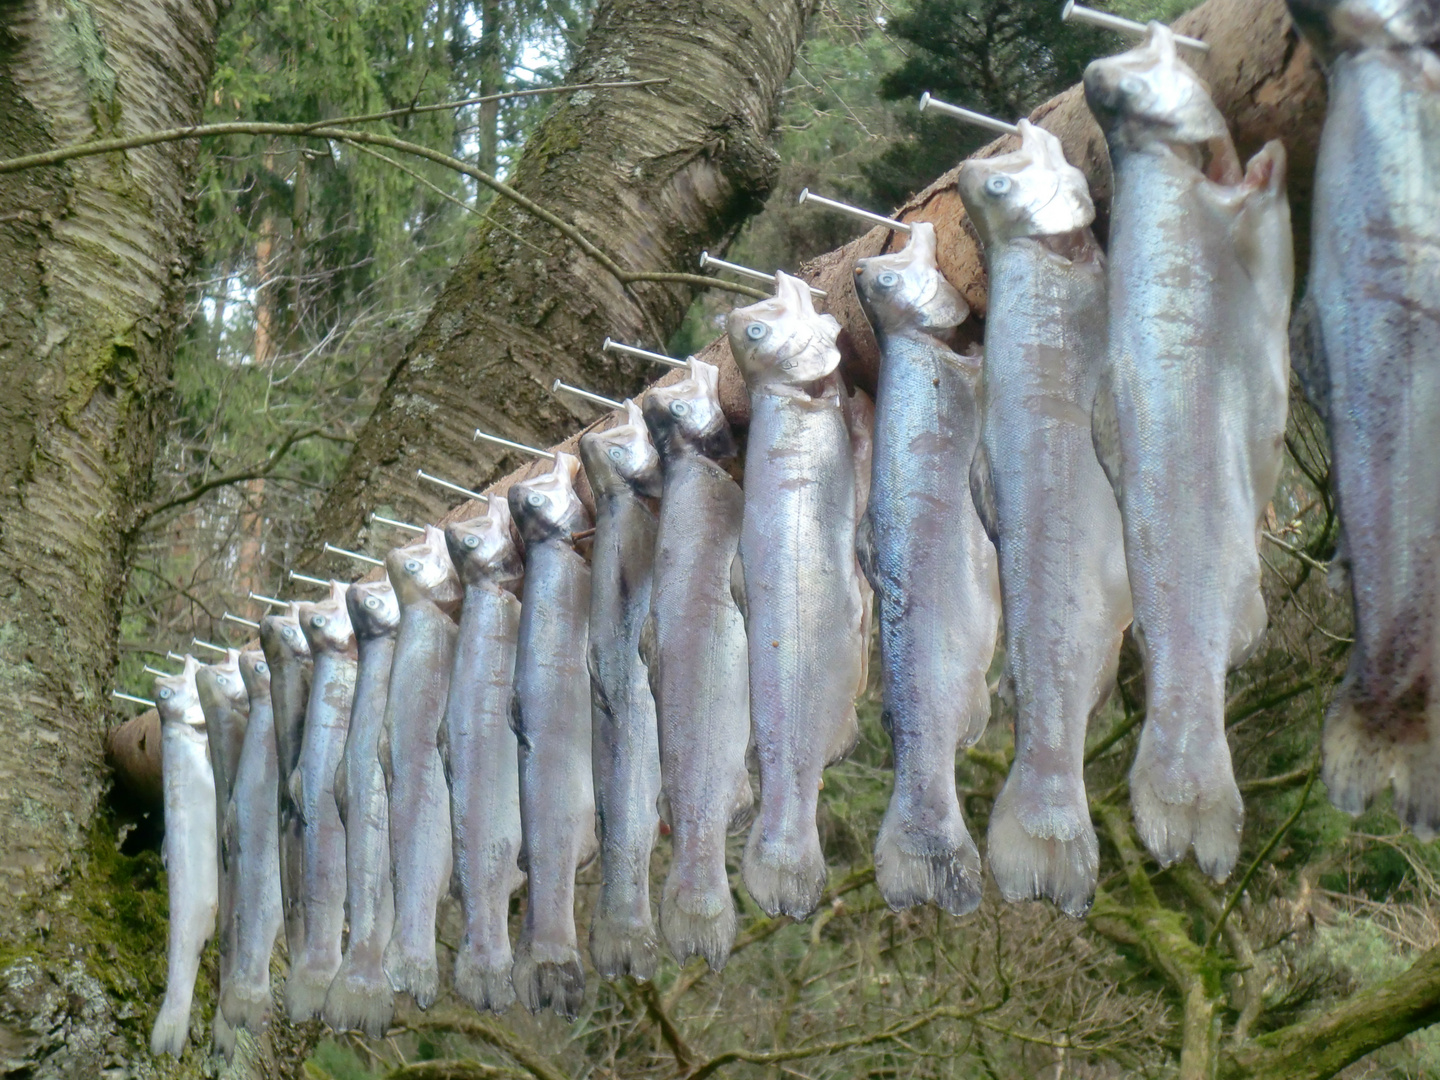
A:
(145, 513)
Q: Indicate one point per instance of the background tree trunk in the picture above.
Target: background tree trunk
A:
(652, 175)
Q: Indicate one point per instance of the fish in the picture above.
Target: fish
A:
(480, 753)
(697, 660)
(252, 839)
(192, 863)
(1047, 505)
(287, 655)
(312, 789)
(1189, 421)
(859, 409)
(550, 715)
(800, 583)
(624, 474)
(429, 593)
(925, 553)
(1374, 299)
(226, 708)
(360, 996)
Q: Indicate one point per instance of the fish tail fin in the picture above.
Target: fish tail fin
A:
(784, 869)
(697, 914)
(1184, 795)
(927, 858)
(742, 805)
(1359, 760)
(549, 977)
(172, 1027)
(222, 1037)
(305, 991)
(1417, 782)
(413, 971)
(622, 944)
(482, 976)
(1041, 845)
(247, 1003)
(360, 997)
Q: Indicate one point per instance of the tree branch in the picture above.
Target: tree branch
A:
(456, 1069)
(145, 513)
(493, 1032)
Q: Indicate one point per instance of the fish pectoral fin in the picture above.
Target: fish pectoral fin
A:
(229, 836)
(517, 722)
(342, 790)
(382, 751)
(1307, 355)
(737, 587)
(442, 743)
(982, 492)
(599, 702)
(865, 549)
(1105, 433)
(296, 786)
(650, 654)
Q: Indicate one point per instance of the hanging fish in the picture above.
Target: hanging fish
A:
(226, 708)
(312, 788)
(695, 652)
(624, 473)
(191, 862)
(480, 753)
(801, 584)
(360, 995)
(1374, 304)
(251, 842)
(860, 419)
(287, 655)
(1048, 506)
(933, 568)
(550, 714)
(1189, 421)
(420, 850)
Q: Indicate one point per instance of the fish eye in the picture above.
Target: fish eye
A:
(617, 454)
(998, 184)
(472, 542)
(317, 621)
(1132, 85)
(755, 331)
(372, 602)
(261, 668)
(165, 694)
(288, 632)
(535, 499)
(412, 566)
(679, 408)
(888, 279)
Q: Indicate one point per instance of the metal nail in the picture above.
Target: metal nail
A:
(333, 550)
(644, 354)
(854, 211)
(397, 524)
(508, 444)
(206, 645)
(1074, 11)
(598, 399)
(269, 600)
(423, 475)
(237, 619)
(132, 697)
(707, 260)
(309, 580)
(967, 115)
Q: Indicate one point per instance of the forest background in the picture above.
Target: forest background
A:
(318, 265)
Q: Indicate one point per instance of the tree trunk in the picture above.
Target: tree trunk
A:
(652, 174)
(492, 75)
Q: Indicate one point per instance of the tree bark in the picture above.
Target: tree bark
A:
(653, 174)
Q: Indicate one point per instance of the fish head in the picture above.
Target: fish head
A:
(422, 570)
(281, 637)
(905, 290)
(687, 415)
(326, 623)
(1149, 94)
(622, 456)
(545, 507)
(1032, 191)
(176, 697)
(374, 612)
(255, 673)
(219, 685)
(1337, 26)
(483, 548)
(784, 340)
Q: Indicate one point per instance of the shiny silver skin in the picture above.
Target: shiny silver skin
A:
(360, 996)
(696, 654)
(480, 753)
(1048, 506)
(801, 583)
(312, 788)
(1189, 421)
(932, 567)
(287, 655)
(624, 473)
(550, 714)
(226, 707)
(252, 845)
(420, 851)
(1374, 292)
(192, 865)
(859, 411)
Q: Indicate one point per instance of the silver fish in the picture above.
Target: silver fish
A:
(480, 752)
(1048, 506)
(802, 589)
(192, 865)
(695, 652)
(550, 714)
(1374, 291)
(925, 552)
(1189, 421)
(420, 849)
(859, 412)
(252, 841)
(312, 788)
(624, 473)
(360, 995)
(226, 707)
(287, 655)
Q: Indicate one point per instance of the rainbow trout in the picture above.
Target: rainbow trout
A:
(1374, 294)
(1046, 502)
(191, 862)
(1189, 421)
(695, 652)
(420, 849)
(801, 583)
(924, 551)
(252, 843)
(550, 714)
(480, 754)
(624, 473)
(226, 707)
(312, 788)
(360, 996)
(287, 655)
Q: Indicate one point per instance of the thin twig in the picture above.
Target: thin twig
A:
(146, 513)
